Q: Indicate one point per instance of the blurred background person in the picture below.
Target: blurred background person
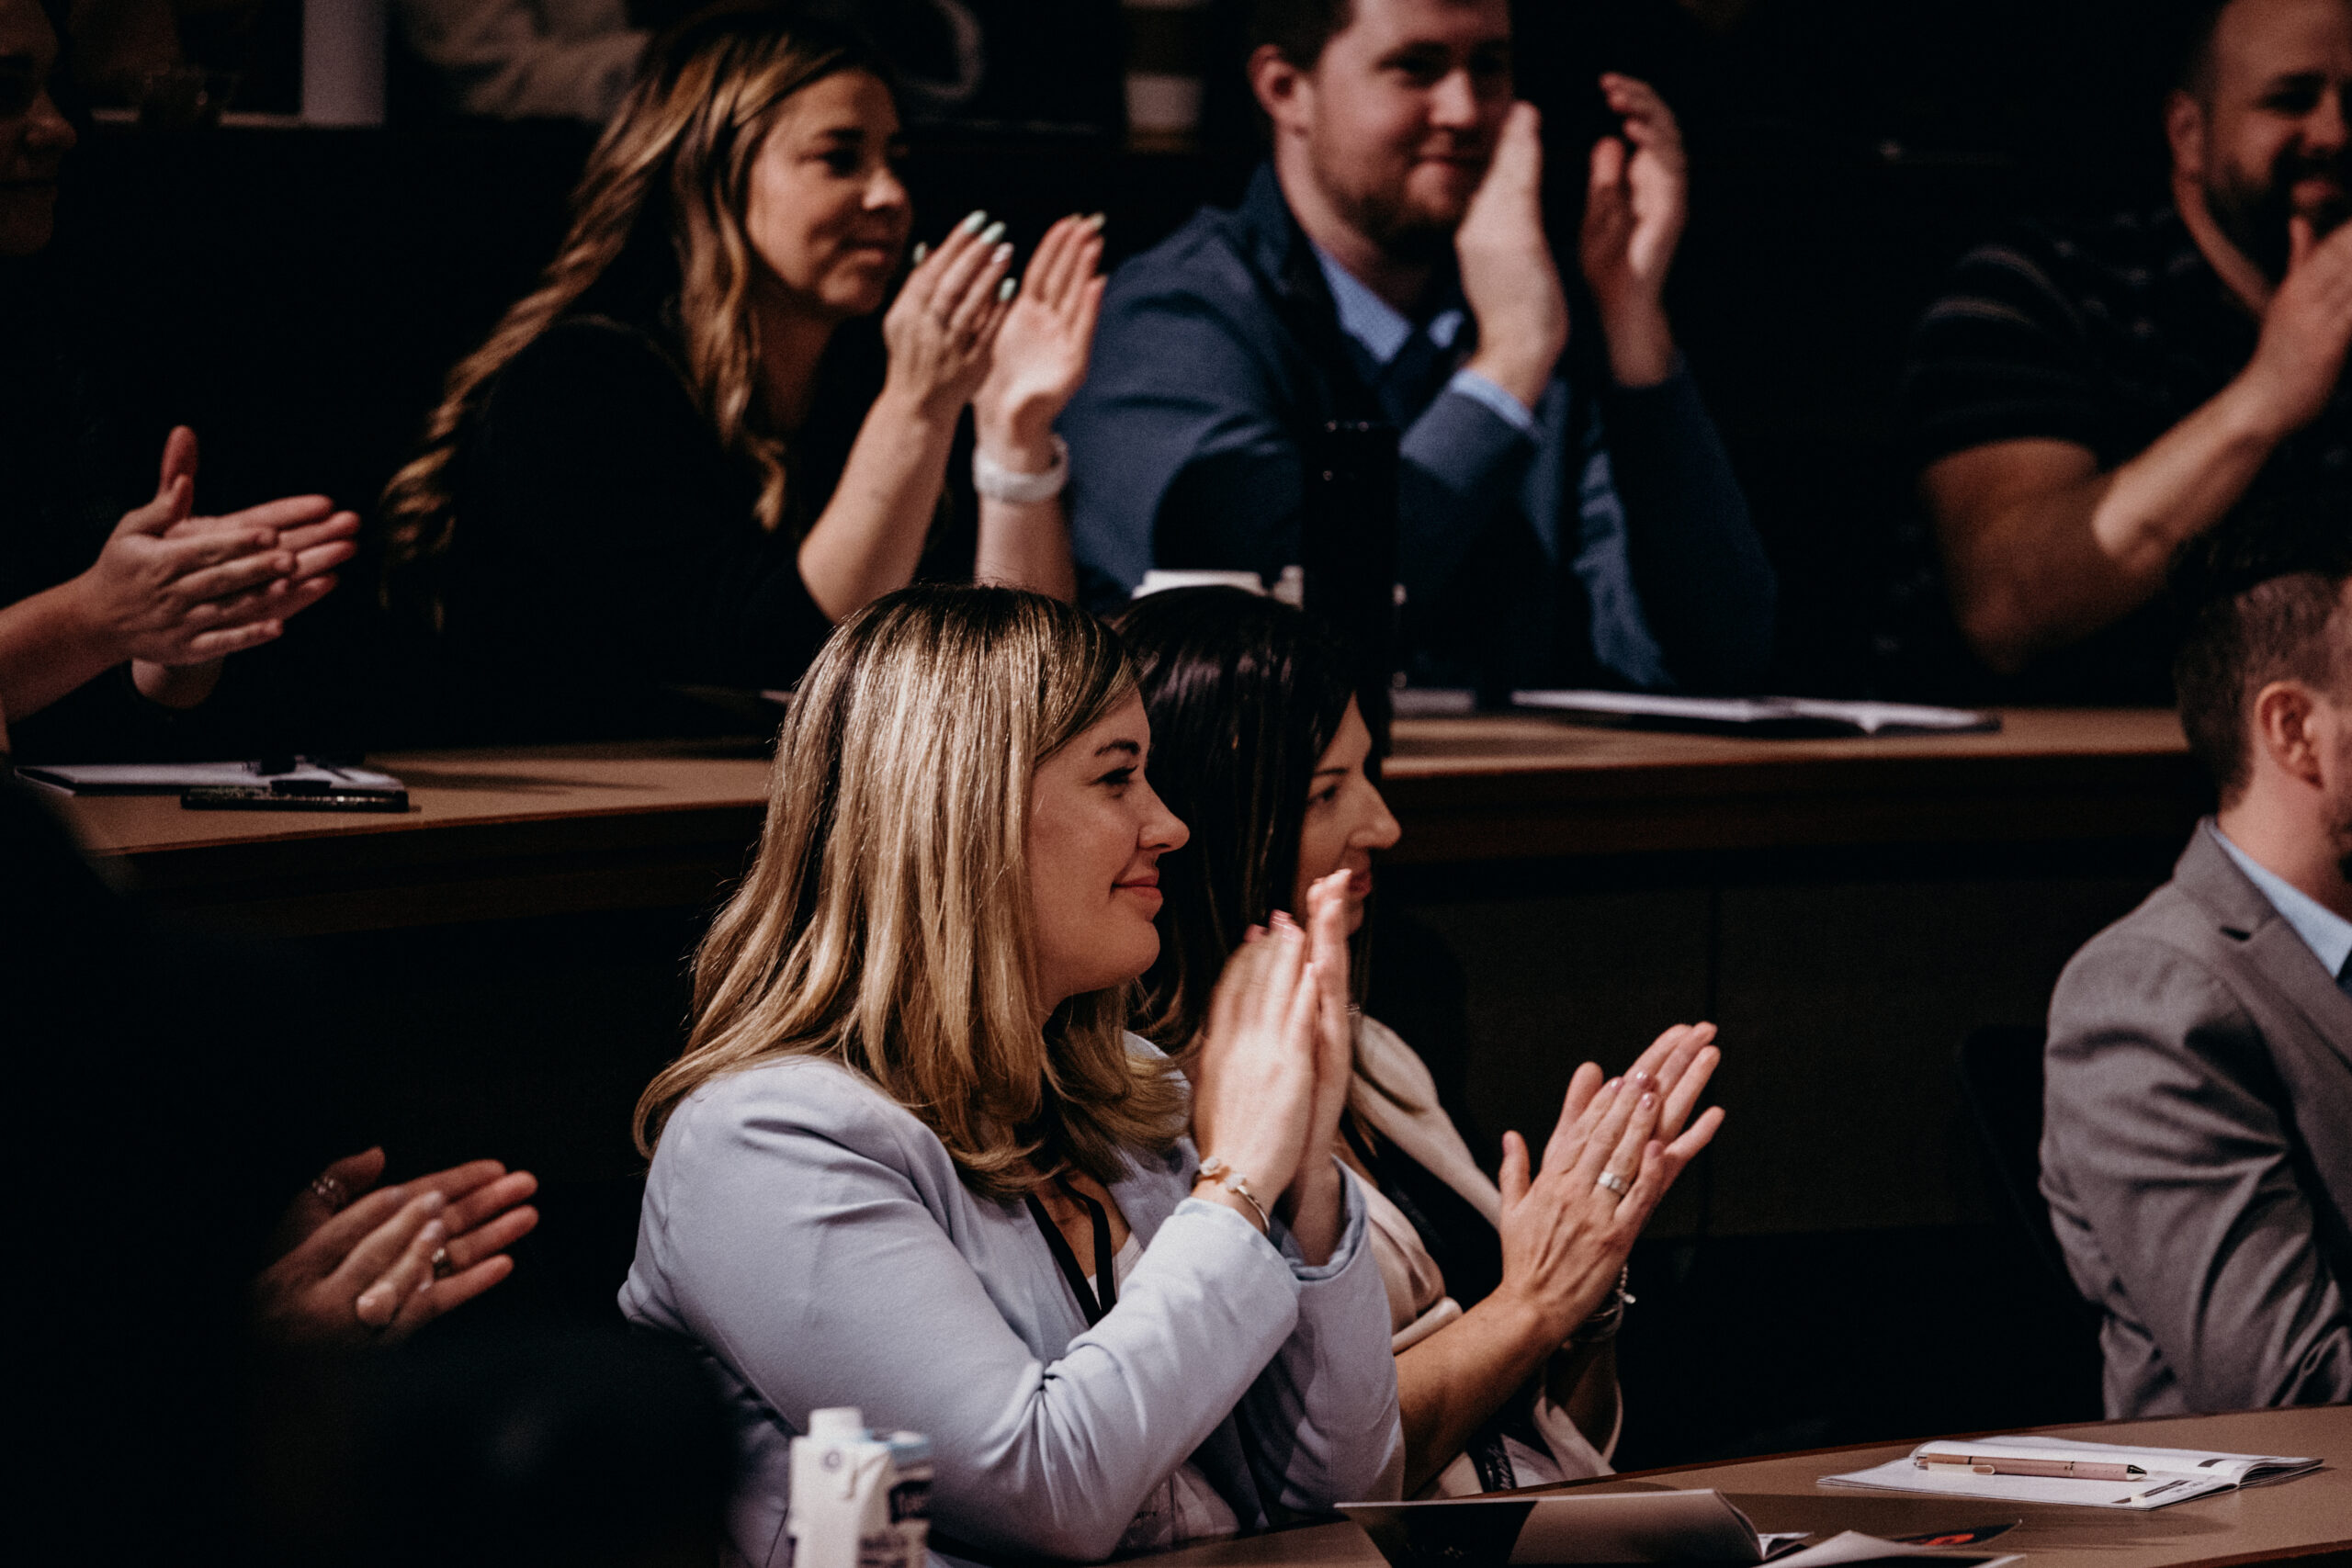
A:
(92, 582)
(666, 469)
(2087, 397)
(1504, 1302)
(527, 59)
(1565, 521)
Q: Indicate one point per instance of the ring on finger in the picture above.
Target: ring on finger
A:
(442, 1267)
(1611, 1182)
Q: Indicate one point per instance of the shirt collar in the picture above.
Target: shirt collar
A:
(2325, 932)
(1381, 328)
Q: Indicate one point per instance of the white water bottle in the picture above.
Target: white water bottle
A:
(858, 1500)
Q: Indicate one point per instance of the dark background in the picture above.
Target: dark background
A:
(296, 295)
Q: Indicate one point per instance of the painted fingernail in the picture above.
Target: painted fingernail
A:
(921, 250)
(434, 1202)
(992, 234)
(1006, 289)
(1003, 254)
(1095, 220)
(1648, 1100)
(1641, 1078)
(434, 1233)
(973, 223)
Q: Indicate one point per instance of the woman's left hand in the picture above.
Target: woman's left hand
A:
(1314, 1204)
(1041, 350)
(387, 1262)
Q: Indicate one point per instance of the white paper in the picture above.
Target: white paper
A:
(2245, 1469)
(170, 778)
(2150, 1491)
(1863, 718)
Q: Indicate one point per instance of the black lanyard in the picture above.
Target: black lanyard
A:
(1100, 1299)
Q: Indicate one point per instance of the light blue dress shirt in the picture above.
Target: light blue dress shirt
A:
(1383, 330)
(2325, 932)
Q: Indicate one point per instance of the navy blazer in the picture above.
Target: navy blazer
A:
(1611, 544)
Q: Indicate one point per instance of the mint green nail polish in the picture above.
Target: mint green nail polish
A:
(921, 250)
(971, 225)
(992, 234)
(1004, 290)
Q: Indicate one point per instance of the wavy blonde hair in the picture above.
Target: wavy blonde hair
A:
(885, 924)
(679, 153)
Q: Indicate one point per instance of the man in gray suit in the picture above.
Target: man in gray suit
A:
(2197, 1148)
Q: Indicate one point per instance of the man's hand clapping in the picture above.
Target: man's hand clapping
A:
(1507, 274)
(1635, 204)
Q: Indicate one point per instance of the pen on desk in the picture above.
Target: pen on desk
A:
(2046, 1469)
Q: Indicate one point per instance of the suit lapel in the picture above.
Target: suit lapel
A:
(2271, 943)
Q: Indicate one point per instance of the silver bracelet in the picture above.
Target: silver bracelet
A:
(997, 482)
(1604, 1324)
(1233, 1181)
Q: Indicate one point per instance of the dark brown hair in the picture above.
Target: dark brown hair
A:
(2260, 593)
(1299, 28)
(1245, 695)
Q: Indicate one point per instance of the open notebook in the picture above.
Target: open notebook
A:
(1757, 716)
(1608, 1526)
(2163, 1475)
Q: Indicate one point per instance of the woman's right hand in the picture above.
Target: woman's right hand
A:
(1254, 1077)
(941, 331)
(1565, 1234)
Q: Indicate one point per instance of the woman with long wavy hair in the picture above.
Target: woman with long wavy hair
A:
(668, 466)
(1503, 1299)
(911, 1161)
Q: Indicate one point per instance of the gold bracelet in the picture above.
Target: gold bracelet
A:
(1233, 1181)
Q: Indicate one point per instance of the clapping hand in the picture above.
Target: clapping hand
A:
(1568, 1226)
(941, 329)
(1507, 274)
(1041, 352)
(1254, 1078)
(172, 588)
(1635, 204)
(364, 1266)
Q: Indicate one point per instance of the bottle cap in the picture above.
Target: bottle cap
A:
(842, 1424)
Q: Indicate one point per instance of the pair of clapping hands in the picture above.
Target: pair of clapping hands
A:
(360, 1264)
(172, 590)
(962, 331)
(1271, 1079)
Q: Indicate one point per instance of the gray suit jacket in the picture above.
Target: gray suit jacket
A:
(2197, 1148)
(815, 1241)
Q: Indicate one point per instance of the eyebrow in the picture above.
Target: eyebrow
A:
(1133, 748)
(1320, 771)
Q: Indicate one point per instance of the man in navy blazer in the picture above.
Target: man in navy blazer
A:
(1569, 516)
(2196, 1146)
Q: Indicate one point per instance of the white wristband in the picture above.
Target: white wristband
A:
(997, 482)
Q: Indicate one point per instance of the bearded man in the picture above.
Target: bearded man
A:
(2085, 402)
(1568, 514)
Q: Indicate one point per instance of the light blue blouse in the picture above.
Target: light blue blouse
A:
(813, 1238)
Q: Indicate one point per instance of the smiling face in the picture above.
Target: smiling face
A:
(826, 212)
(1347, 822)
(2263, 135)
(1096, 833)
(34, 138)
(1399, 115)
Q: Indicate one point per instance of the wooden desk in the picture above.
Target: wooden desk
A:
(2307, 1518)
(495, 835)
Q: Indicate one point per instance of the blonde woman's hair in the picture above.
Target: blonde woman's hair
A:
(886, 922)
(672, 173)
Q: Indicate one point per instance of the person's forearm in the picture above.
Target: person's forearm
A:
(1450, 1384)
(1641, 343)
(1315, 1208)
(48, 648)
(2054, 567)
(871, 533)
(1024, 544)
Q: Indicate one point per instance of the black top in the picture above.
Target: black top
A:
(605, 553)
(2106, 336)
